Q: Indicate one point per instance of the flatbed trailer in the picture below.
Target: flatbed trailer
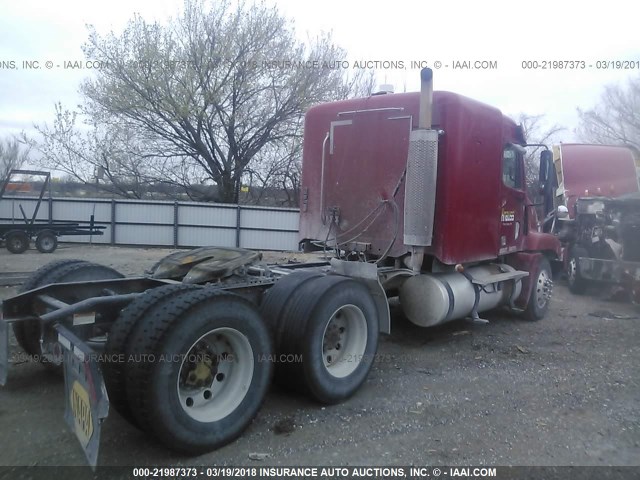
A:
(18, 235)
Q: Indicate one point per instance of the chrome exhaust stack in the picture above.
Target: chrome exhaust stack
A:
(426, 99)
(422, 166)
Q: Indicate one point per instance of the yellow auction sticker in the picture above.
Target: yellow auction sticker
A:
(81, 409)
(508, 216)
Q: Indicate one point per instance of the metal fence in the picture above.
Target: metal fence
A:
(166, 223)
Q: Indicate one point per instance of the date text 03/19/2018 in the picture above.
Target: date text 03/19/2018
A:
(580, 64)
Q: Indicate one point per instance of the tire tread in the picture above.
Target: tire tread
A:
(119, 335)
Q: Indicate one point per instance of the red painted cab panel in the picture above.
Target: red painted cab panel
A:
(595, 170)
(365, 155)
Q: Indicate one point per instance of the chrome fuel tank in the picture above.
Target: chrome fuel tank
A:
(432, 299)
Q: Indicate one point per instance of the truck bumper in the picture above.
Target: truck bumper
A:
(626, 274)
(615, 271)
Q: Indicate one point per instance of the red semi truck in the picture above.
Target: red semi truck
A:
(598, 216)
(416, 195)
(585, 170)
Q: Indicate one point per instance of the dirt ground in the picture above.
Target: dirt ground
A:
(562, 391)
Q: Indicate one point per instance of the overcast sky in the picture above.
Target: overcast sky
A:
(505, 32)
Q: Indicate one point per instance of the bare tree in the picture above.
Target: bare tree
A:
(536, 131)
(278, 168)
(275, 177)
(104, 154)
(12, 156)
(211, 90)
(616, 118)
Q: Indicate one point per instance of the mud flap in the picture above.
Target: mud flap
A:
(86, 400)
(4, 351)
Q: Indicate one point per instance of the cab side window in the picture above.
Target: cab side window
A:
(511, 161)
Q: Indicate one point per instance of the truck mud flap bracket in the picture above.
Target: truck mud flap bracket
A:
(367, 273)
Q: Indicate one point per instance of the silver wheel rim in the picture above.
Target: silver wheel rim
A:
(215, 375)
(344, 341)
(46, 243)
(573, 270)
(544, 287)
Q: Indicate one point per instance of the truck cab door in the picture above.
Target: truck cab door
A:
(512, 200)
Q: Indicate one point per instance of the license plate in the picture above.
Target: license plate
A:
(87, 403)
(81, 411)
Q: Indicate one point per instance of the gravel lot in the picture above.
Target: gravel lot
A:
(563, 391)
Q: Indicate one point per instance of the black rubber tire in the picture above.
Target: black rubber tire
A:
(272, 309)
(305, 319)
(78, 272)
(25, 331)
(576, 282)
(543, 283)
(277, 297)
(114, 369)
(47, 241)
(37, 278)
(171, 329)
(17, 241)
(60, 272)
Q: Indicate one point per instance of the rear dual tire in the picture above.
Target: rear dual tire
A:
(28, 332)
(327, 334)
(197, 368)
(115, 368)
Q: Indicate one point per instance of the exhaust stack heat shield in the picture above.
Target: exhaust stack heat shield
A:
(420, 189)
(422, 166)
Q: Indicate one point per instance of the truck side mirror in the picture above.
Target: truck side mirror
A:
(547, 180)
(546, 159)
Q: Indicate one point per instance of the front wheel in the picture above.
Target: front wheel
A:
(202, 364)
(541, 292)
